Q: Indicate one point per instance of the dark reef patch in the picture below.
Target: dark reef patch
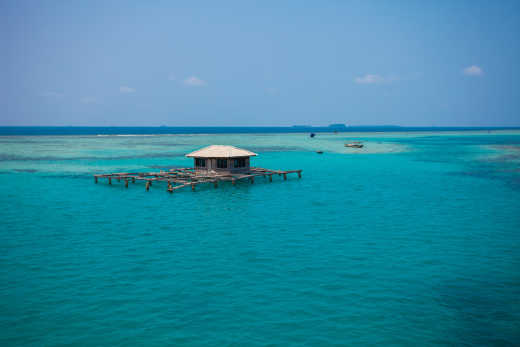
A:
(481, 312)
(13, 157)
(26, 170)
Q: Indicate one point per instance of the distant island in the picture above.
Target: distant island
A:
(344, 126)
(338, 125)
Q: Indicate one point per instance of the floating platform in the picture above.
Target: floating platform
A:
(190, 177)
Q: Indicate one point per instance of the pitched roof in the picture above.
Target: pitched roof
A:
(218, 151)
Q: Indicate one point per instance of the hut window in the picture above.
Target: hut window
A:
(240, 162)
(200, 162)
(222, 163)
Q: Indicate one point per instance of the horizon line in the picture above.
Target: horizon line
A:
(332, 126)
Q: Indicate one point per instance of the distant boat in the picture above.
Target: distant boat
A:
(319, 152)
(354, 145)
(313, 134)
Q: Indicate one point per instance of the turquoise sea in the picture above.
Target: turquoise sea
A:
(413, 240)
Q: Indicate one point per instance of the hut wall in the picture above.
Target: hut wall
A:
(211, 164)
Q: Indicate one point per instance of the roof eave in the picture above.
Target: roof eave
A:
(210, 157)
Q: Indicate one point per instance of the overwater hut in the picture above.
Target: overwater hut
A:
(212, 164)
(222, 159)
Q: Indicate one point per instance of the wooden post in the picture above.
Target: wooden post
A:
(126, 182)
(95, 179)
(270, 178)
(284, 176)
(233, 181)
(215, 184)
(147, 185)
(192, 187)
(109, 180)
(299, 174)
(252, 179)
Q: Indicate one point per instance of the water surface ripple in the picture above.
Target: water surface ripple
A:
(412, 241)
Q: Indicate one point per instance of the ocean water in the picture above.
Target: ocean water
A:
(413, 240)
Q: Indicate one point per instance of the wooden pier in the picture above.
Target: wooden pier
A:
(184, 177)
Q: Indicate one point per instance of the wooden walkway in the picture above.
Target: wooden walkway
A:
(183, 177)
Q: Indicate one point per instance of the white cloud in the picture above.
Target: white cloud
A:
(88, 100)
(52, 95)
(473, 70)
(126, 89)
(194, 81)
(369, 79)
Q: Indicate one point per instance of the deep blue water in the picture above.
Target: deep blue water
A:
(72, 130)
(413, 240)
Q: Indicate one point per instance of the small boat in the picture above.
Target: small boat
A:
(313, 134)
(319, 152)
(354, 145)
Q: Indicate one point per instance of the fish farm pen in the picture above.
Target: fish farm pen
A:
(212, 164)
(184, 177)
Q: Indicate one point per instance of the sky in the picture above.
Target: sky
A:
(259, 63)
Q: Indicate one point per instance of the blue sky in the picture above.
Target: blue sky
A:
(182, 63)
